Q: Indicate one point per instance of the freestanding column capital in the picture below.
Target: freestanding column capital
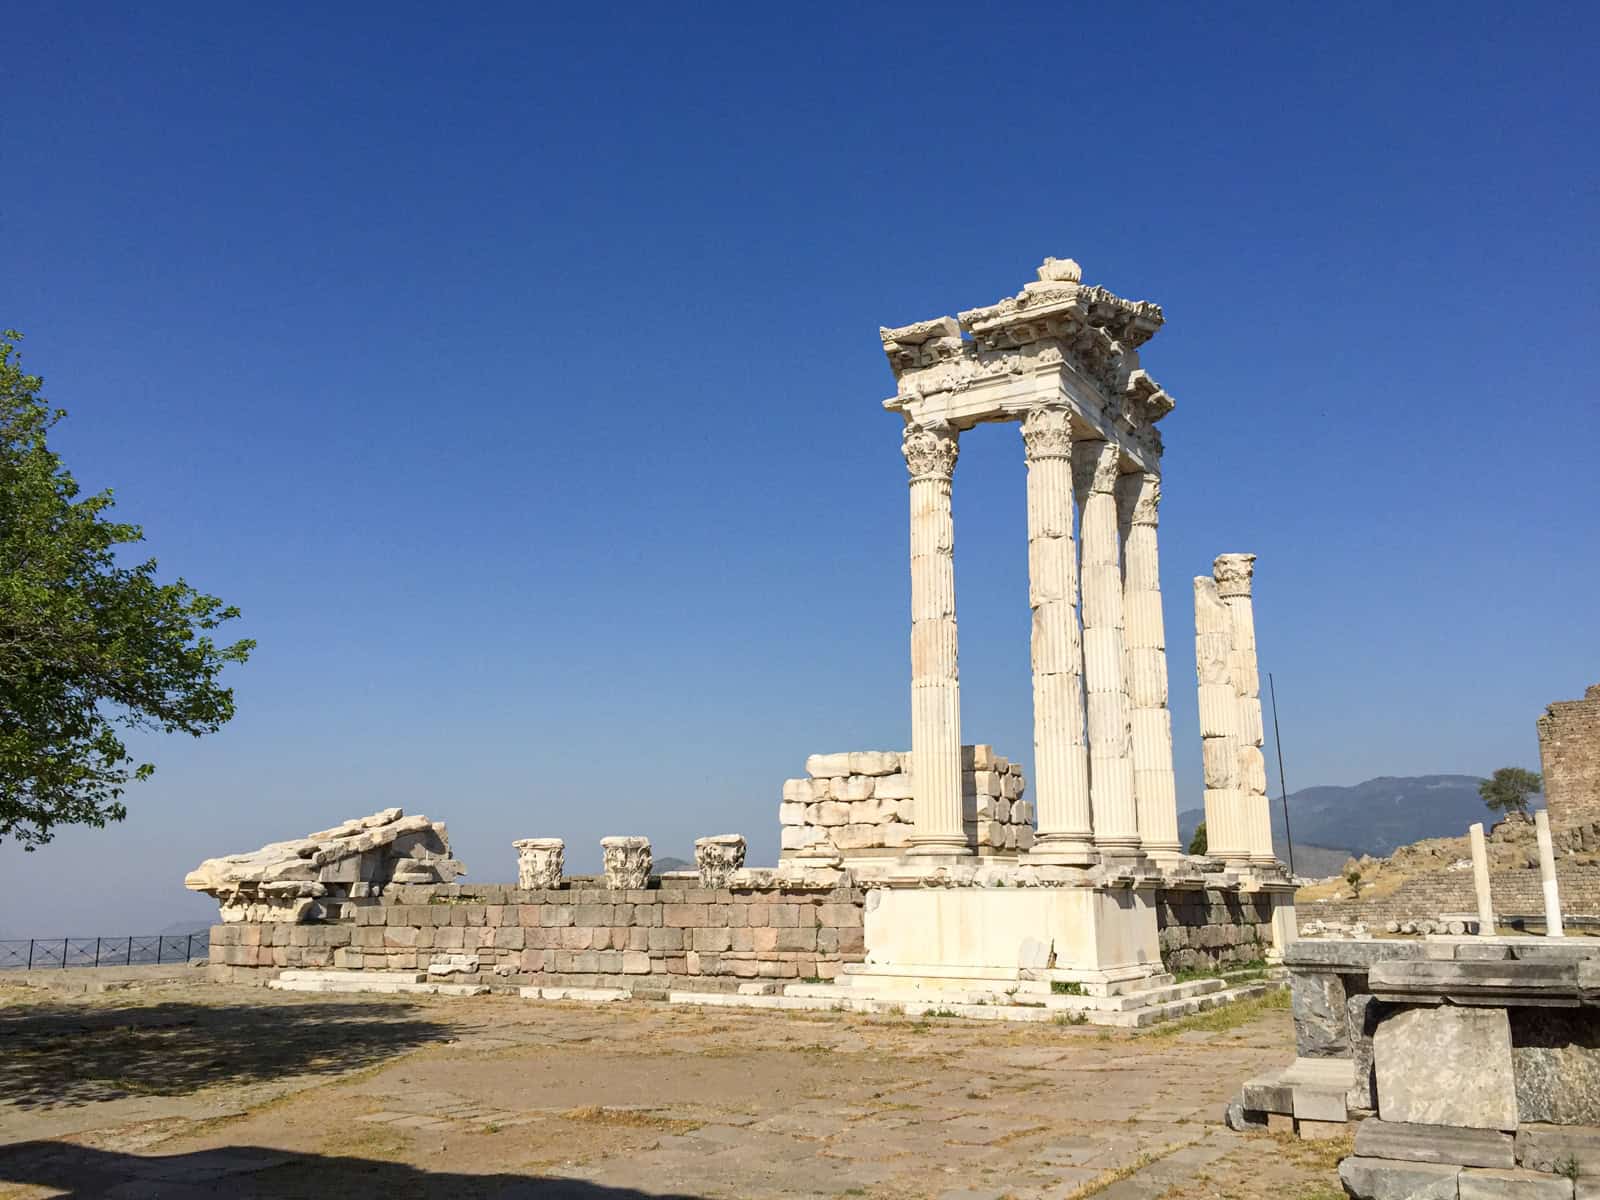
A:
(1094, 468)
(1233, 573)
(1047, 432)
(930, 450)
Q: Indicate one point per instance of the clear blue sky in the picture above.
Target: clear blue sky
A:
(516, 371)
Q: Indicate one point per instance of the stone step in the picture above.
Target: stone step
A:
(589, 995)
(392, 983)
(1138, 1018)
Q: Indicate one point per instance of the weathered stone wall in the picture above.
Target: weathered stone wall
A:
(860, 804)
(1424, 897)
(1569, 755)
(675, 935)
(1208, 927)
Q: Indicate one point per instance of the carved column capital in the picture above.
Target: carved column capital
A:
(930, 450)
(1139, 499)
(1233, 573)
(1094, 467)
(1047, 432)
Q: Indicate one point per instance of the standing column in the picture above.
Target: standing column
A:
(1219, 725)
(1061, 754)
(935, 683)
(1154, 788)
(1116, 815)
(1233, 573)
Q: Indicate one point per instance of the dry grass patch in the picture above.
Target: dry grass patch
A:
(630, 1118)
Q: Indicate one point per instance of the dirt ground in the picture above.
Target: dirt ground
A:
(183, 1089)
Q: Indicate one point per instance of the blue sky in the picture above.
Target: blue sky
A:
(517, 373)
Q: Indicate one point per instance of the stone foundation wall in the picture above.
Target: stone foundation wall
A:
(860, 804)
(1569, 756)
(1424, 897)
(1212, 927)
(676, 935)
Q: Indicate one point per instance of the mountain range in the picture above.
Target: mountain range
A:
(1374, 817)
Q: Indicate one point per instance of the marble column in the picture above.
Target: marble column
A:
(930, 452)
(1145, 667)
(1116, 814)
(1233, 573)
(1061, 753)
(1219, 725)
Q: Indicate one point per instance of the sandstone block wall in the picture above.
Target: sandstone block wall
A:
(1569, 756)
(677, 935)
(1212, 927)
(1424, 897)
(860, 804)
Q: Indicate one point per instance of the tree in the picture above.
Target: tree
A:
(1197, 844)
(1508, 789)
(89, 646)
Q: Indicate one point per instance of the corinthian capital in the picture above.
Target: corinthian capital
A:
(1233, 573)
(1047, 432)
(1139, 498)
(930, 450)
(1094, 467)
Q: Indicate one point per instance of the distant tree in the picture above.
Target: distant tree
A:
(1508, 789)
(88, 646)
(1197, 844)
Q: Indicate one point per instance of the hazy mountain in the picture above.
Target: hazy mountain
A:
(1373, 817)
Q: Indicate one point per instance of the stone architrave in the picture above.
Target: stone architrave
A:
(1061, 753)
(1219, 725)
(1145, 672)
(541, 862)
(718, 858)
(627, 862)
(1116, 815)
(1234, 573)
(1480, 879)
(930, 453)
(1446, 1066)
(1547, 875)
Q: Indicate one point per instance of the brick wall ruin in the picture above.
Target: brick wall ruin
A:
(676, 935)
(858, 804)
(673, 935)
(1569, 756)
(1212, 927)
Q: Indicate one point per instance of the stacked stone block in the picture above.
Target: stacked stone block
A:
(1202, 927)
(860, 804)
(1569, 756)
(582, 935)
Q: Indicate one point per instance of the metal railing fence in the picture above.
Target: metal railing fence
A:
(135, 951)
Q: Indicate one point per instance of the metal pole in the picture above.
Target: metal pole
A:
(1283, 788)
(97, 952)
(129, 961)
(188, 949)
(64, 942)
(159, 940)
(30, 954)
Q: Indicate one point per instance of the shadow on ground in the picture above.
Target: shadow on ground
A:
(255, 1173)
(58, 1054)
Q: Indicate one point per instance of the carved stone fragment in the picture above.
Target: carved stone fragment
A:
(718, 858)
(540, 862)
(627, 861)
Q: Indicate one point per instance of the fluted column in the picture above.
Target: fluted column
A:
(1145, 666)
(1116, 815)
(1219, 725)
(1233, 573)
(1061, 753)
(930, 453)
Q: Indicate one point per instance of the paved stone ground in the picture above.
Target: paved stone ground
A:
(182, 1090)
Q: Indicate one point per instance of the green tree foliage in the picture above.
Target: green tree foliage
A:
(1508, 789)
(89, 646)
(1197, 844)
